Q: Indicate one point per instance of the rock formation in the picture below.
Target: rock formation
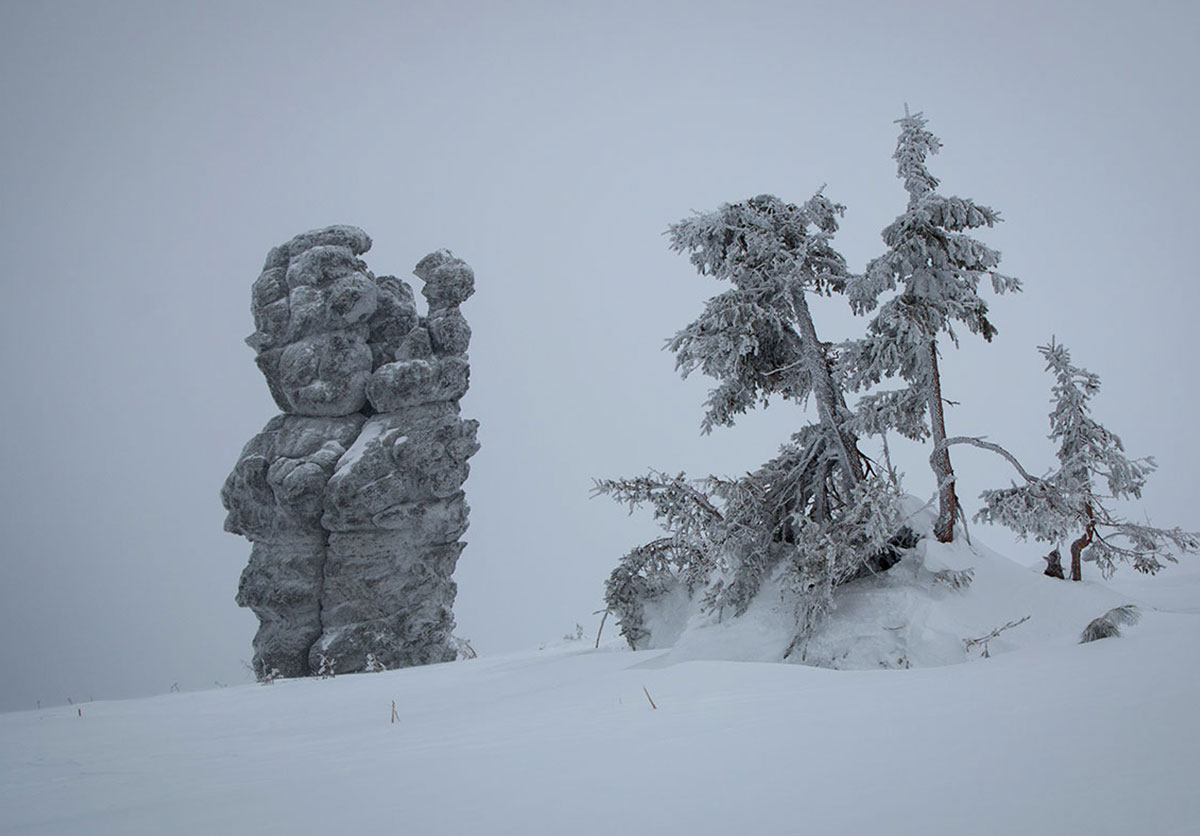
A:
(353, 497)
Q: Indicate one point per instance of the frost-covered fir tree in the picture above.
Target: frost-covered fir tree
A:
(1075, 501)
(817, 503)
(937, 268)
(758, 339)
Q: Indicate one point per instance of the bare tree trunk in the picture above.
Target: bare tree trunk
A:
(831, 405)
(1082, 543)
(943, 529)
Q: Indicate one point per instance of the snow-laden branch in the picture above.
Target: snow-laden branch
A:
(986, 445)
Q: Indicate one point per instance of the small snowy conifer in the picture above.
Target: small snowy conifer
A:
(1108, 626)
(1070, 502)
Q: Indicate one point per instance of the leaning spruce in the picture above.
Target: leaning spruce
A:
(352, 498)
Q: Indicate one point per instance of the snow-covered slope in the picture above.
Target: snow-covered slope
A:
(1054, 738)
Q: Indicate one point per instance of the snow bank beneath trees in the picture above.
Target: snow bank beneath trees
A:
(910, 616)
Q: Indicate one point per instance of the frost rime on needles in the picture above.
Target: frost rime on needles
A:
(817, 507)
(1070, 502)
(938, 268)
(818, 515)
(1108, 626)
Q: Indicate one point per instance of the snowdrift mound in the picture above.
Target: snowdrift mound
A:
(923, 612)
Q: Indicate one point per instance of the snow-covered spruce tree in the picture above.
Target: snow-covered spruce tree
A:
(817, 503)
(1070, 502)
(757, 339)
(937, 268)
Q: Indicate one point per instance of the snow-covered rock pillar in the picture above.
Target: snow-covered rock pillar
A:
(353, 497)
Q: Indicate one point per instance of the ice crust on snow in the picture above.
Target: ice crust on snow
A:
(352, 497)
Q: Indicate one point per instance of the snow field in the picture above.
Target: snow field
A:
(1055, 737)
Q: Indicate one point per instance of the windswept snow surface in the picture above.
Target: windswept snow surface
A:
(1057, 738)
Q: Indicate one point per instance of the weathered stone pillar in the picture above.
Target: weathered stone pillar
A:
(353, 497)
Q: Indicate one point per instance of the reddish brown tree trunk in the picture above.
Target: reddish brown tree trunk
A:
(943, 529)
(1079, 545)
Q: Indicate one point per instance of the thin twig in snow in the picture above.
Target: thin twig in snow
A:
(983, 640)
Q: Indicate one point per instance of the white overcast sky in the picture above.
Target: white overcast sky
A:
(153, 152)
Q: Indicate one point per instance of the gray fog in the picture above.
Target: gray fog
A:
(153, 152)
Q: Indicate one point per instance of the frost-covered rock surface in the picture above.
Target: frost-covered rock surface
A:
(353, 497)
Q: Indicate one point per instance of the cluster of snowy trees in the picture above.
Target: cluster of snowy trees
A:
(821, 510)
